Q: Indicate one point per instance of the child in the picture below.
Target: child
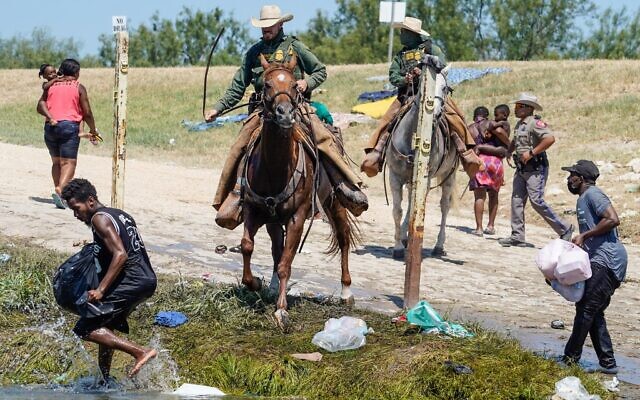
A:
(48, 72)
(497, 133)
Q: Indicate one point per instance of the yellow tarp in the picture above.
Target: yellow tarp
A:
(374, 109)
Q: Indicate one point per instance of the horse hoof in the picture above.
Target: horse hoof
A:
(438, 252)
(405, 242)
(282, 318)
(349, 301)
(255, 285)
(398, 254)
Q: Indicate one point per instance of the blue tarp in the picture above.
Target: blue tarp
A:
(170, 319)
(198, 126)
(454, 77)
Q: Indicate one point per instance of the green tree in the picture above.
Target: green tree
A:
(617, 36)
(531, 29)
(40, 47)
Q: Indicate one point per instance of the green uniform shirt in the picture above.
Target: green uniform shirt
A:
(529, 132)
(408, 58)
(279, 49)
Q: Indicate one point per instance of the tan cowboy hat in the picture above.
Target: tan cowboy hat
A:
(269, 16)
(411, 24)
(528, 99)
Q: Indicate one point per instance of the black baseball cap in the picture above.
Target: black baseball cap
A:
(585, 168)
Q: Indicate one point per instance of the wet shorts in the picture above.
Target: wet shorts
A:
(62, 140)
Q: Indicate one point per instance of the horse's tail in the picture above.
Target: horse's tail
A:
(355, 235)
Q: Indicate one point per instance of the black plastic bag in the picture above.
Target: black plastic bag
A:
(75, 277)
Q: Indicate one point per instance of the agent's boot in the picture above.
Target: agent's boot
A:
(230, 212)
(372, 163)
(348, 194)
(352, 198)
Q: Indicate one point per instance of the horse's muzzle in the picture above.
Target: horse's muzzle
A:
(285, 115)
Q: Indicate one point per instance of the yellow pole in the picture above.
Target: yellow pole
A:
(120, 119)
(417, 202)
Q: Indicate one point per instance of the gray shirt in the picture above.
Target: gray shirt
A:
(606, 250)
(529, 132)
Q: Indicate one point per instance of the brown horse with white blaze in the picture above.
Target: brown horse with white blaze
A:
(279, 187)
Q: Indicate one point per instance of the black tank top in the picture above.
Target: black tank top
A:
(128, 231)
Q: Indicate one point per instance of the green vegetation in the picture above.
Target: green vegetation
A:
(231, 342)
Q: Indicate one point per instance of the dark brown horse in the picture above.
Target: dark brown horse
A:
(279, 187)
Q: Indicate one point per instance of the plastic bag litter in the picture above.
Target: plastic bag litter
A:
(345, 333)
(188, 389)
(4, 257)
(423, 315)
(570, 388)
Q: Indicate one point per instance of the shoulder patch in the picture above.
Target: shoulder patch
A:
(541, 124)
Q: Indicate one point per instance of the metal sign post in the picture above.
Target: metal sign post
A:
(391, 11)
(417, 202)
(119, 111)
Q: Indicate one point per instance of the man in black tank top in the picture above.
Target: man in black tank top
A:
(126, 276)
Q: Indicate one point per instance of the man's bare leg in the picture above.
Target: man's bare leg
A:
(106, 337)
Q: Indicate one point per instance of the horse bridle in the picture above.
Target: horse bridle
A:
(267, 101)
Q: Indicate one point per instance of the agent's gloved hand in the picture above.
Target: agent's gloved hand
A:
(433, 62)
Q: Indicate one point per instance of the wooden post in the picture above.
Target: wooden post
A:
(120, 118)
(417, 202)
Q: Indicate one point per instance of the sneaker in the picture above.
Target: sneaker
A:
(568, 234)
(57, 200)
(608, 370)
(508, 242)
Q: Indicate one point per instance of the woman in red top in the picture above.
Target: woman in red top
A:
(65, 105)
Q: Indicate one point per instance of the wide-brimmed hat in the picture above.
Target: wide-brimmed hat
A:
(411, 24)
(528, 99)
(585, 168)
(269, 16)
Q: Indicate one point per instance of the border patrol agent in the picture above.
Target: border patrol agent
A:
(275, 46)
(532, 138)
(403, 74)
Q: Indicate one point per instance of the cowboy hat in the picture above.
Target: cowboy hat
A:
(529, 100)
(269, 16)
(411, 24)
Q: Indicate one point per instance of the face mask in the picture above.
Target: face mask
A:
(408, 38)
(573, 189)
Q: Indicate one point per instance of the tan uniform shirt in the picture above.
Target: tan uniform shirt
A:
(529, 132)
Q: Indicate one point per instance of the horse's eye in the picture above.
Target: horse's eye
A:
(268, 85)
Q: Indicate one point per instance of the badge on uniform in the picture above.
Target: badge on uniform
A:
(416, 55)
(541, 124)
(279, 55)
(408, 56)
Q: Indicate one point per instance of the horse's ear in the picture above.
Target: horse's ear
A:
(292, 63)
(263, 61)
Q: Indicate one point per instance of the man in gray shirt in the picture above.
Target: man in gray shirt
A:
(599, 237)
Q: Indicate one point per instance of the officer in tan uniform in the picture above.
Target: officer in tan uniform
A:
(532, 138)
(278, 47)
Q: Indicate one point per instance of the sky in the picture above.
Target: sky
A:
(85, 20)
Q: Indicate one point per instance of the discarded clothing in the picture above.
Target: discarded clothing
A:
(170, 319)
(375, 109)
(429, 320)
(322, 111)
(199, 126)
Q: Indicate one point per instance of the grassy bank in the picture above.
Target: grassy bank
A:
(232, 343)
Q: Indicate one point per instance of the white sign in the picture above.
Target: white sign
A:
(399, 9)
(119, 23)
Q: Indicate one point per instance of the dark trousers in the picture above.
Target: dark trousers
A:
(590, 320)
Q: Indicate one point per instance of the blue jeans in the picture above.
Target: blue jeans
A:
(62, 140)
(589, 319)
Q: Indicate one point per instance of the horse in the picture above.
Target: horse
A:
(280, 174)
(443, 162)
